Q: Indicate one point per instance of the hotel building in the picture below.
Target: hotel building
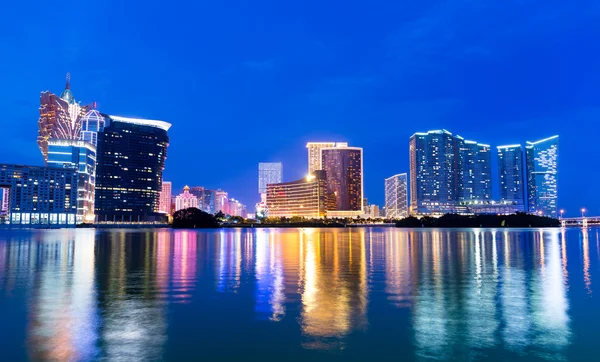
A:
(268, 173)
(166, 193)
(306, 197)
(510, 175)
(185, 200)
(315, 154)
(542, 176)
(396, 196)
(343, 168)
(221, 202)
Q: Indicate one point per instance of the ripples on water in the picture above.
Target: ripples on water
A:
(324, 294)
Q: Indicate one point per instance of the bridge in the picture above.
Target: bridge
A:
(583, 222)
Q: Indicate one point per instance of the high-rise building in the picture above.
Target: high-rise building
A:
(92, 123)
(510, 175)
(166, 192)
(269, 173)
(315, 156)
(433, 172)
(396, 196)
(542, 176)
(39, 196)
(131, 159)
(4, 204)
(236, 208)
(60, 117)
(221, 201)
(208, 202)
(198, 191)
(185, 200)
(474, 170)
(306, 197)
(80, 156)
(343, 168)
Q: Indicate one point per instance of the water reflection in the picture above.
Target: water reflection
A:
(460, 294)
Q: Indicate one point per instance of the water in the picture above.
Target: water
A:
(377, 294)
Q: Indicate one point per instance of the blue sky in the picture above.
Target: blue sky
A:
(250, 81)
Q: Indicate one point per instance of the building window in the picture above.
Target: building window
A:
(62, 219)
(53, 219)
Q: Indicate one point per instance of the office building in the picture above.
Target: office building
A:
(185, 200)
(221, 201)
(43, 197)
(208, 202)
(60, 117)
(396, 196)
(80, 156)
(542, 176)
(164, 204)
(268, 173)
(306, 197)
(510, 175)
(315, 155)
(474, 170)
(343, 168)
(131, 159)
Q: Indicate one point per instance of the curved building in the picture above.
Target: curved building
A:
(131, 159)
(306, 197)
(343, 167)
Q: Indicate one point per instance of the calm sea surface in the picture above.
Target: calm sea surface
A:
(373, 294)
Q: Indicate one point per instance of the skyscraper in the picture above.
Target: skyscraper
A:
(396, 196)
(474, 170)
(165, 197)
(542, 176)
(433, 172)
(269, 173)
(80, 156)
(131, 159)
(343, 168)
(510, 175)
(315, 156)
(185, 200)
(221, 201)
(208, 202)
(60, 117)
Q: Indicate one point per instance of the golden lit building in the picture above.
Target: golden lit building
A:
(306, 197)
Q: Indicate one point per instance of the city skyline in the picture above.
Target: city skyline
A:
(485, 72)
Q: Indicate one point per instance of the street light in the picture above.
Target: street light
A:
(562, 211)
(583, 210)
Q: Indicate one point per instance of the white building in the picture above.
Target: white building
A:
(396, 197)
(185, 200)
(268, 173)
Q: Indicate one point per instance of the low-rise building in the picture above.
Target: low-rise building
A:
(306, 197)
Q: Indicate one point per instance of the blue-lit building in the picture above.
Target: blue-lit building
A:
(208, 201)
(474, 170)
(131, 159)
(542, 176)
(80, 156)
(511, 177)
(44, 197)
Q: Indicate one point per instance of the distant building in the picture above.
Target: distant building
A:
(474, 170)
(92, 123)
(511, 178)
(372, 211)
(39, 196)
(221, 202)
(4, 206)
(306, 197)
(315, 155)
(542, 176)
(80, 156)
(236, 208)
(343, 168)
(60, 117)
(208, 203)
(164, 205)
(269, 173)
(185, 200)
(396, 196)
(131, 159)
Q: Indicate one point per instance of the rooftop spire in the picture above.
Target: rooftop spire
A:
(68, 86)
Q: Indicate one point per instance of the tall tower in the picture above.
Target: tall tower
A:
(315, 155)
(542, 176)
(269, 173)
(343, 168)
(510, 175)
(396, 196)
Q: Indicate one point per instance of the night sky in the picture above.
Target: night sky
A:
(250, 81)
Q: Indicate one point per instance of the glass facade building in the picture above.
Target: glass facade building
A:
(474, 170)
(510, 175)
(542, 176)
(208, 203)
(131, 159)
(343, 168)
(44, 197)
(80, 156)
(396, 196)
(315, 154)
(306, 197)
(269, 173)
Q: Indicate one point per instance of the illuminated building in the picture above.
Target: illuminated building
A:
(372, 211)
(315, 155)
(542, 170)
(60, 117)
(306, 197)
(343, 168)
(474, 170)
(131, 159)
(268, 173)
(198, 191)
(92, 123)
(396, 197)
(185, 200)
(4, 204)
(236, 208)
(164, 205)
(208, 203)
(221, 202)
(81, 156)
(510, 175)
(40, 196)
